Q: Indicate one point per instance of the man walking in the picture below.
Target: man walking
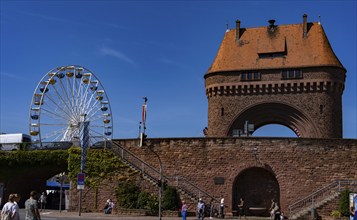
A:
(200, 209)
(32, 212)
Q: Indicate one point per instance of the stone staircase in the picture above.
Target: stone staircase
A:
(304, 207)
(152, 174)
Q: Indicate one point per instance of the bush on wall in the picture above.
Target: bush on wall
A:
(148, 201)
(171, 199)
(127, 194)
(100, 164)
(344, 204)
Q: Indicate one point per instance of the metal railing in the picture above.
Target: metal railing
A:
(153, 174)
(314, 200)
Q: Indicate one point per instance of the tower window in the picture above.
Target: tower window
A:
(291, 74)
(250, 76)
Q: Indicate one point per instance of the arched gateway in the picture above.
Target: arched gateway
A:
(258, 186)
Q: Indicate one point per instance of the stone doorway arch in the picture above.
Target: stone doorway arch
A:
(275, 113)
(258, 186)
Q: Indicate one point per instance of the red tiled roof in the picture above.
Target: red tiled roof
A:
(312, 51)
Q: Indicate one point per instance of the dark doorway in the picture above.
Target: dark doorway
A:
(258, 186)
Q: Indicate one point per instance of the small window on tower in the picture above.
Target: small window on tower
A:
(250, 76)
(243, 76)
(291, 74)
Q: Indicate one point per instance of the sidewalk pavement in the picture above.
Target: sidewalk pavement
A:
(90, 215)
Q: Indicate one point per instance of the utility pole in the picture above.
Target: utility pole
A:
(84, 136)
(142, 142)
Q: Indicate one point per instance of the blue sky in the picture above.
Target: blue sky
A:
(158, 49)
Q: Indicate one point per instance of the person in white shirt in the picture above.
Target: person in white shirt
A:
(9, 208)
(200, 209)
(222, 207)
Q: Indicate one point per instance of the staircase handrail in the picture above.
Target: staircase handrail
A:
(178, 181)
(318, 195)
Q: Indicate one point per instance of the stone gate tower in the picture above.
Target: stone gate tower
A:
(278, 74)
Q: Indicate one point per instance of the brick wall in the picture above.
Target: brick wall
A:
(300, 165)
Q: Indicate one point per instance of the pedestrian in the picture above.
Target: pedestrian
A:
(109, 206)
(355, 206)
(210, 205)
(282, 216)
(241, 207)
(43, 200)
(8, 210)
(272, 211)
(32, 212)
(17, 208)
(184, 210)
(277, 211)
(200, 209)
(352, 212)
(222, 207)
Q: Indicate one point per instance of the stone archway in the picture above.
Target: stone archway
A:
(275, 113)
(258, 186)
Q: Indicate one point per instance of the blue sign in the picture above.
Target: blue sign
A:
(80, 179)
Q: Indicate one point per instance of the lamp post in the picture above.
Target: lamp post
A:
(84, 144)
(142, 142)
(61, 177)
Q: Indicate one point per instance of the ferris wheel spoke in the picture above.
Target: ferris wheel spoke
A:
(61, 104)
(89, 103)
(56, 108)
(93, 111)
(53, 136)
(65, 94)
(95, 118)
(54, 115)
(85, 101)
(71, 92)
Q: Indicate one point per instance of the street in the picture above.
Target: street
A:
(55, 215)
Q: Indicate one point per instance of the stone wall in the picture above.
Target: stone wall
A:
(300, 165)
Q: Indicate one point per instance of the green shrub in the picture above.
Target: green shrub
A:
(344, 206)
(143, 200)
(171, 199)
(148, 201)
(127, 194)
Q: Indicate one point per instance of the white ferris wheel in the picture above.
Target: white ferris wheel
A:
(70, 104)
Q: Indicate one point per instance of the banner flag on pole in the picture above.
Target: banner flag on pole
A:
(143, 115)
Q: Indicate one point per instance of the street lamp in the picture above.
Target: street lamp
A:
(142, 142)
(84, 138)
(61, 178)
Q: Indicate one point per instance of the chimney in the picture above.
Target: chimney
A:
(272, 27)
(304, 26)
(237, 30)
(271, 22)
